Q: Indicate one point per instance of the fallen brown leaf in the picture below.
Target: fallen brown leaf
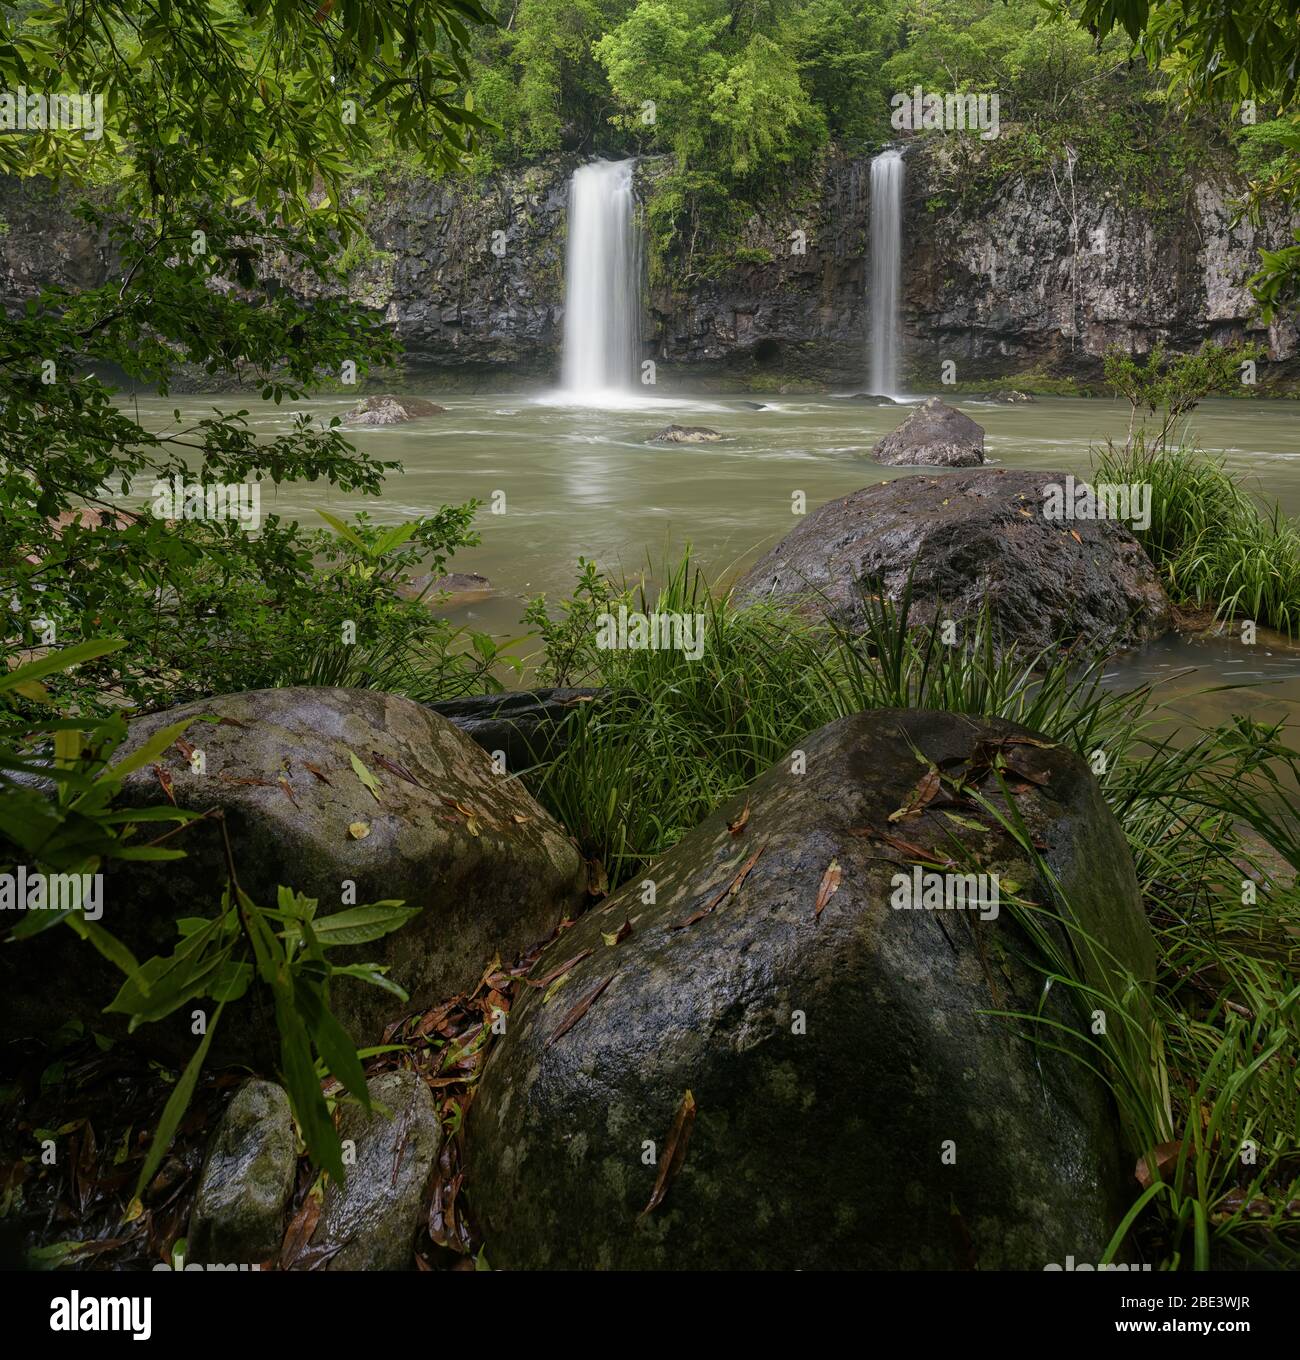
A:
(557, 971)
(579, 1010)
(165, 779)
(917, 801)
(299, 1232)
(830, 885)
(730, 890)
(1162, 1159)
(679, 1135)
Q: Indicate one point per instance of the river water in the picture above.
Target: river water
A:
(581, 481)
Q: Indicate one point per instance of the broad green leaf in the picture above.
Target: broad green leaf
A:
(360, 925)
(61, 660)
(332, 1041)
(303, 1087)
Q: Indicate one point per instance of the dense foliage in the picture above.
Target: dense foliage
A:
(745, 96)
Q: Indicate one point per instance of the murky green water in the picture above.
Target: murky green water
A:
(582, 482)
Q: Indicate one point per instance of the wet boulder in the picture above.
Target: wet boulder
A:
(752, 1057)
(933, 435)
(421, 816)
(239, 1208)
(969, 541)
(369, 1222)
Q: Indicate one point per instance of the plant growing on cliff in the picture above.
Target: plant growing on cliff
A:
(1217, 55)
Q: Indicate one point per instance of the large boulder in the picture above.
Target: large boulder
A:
(239, 1208)
(492, 872)
(391, 410)
(372, 1217)
(933, 435)
(967, 541)
(855, 1099)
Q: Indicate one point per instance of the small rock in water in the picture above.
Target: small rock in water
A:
(873, 399)
(933, 435)
(754, 405)
(684, 434)
(1010, 397)
(391, 410)
(445, 592)
(374, 1215)
(239, 1209)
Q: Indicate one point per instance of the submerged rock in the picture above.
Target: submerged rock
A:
(933, 435)
(443, 831)
(239, 1209)
(391, 410)
(1010, 397)
(684, 434)
(873, 399)
(372, 1218)
(448, 591)
(970, 541)
(853, 1104)
(529, 726)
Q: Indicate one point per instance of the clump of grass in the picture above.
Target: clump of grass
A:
(1206, 1075)
(1209, 539)
(677, 737)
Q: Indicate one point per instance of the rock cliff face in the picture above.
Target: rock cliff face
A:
(1037, 277)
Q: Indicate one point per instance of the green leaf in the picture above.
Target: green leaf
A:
(177, 1103)
(146, 755)
(360, 925)
(300, 1081)
(345, 531)
(62, 660)
(373, 974)
(364, 775)
(332, 1041)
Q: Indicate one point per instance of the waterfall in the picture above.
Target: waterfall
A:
(886, 269)
(602, 295)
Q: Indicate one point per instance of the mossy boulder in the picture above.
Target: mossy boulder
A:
(857, 1103)
(239, 1208)
(441, 829)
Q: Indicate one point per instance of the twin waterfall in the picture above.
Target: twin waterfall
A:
(886, 270)
(602, 295)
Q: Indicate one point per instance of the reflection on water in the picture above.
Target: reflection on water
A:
(584, 482)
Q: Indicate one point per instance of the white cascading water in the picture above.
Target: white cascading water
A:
(602, 294)
(886, 269)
